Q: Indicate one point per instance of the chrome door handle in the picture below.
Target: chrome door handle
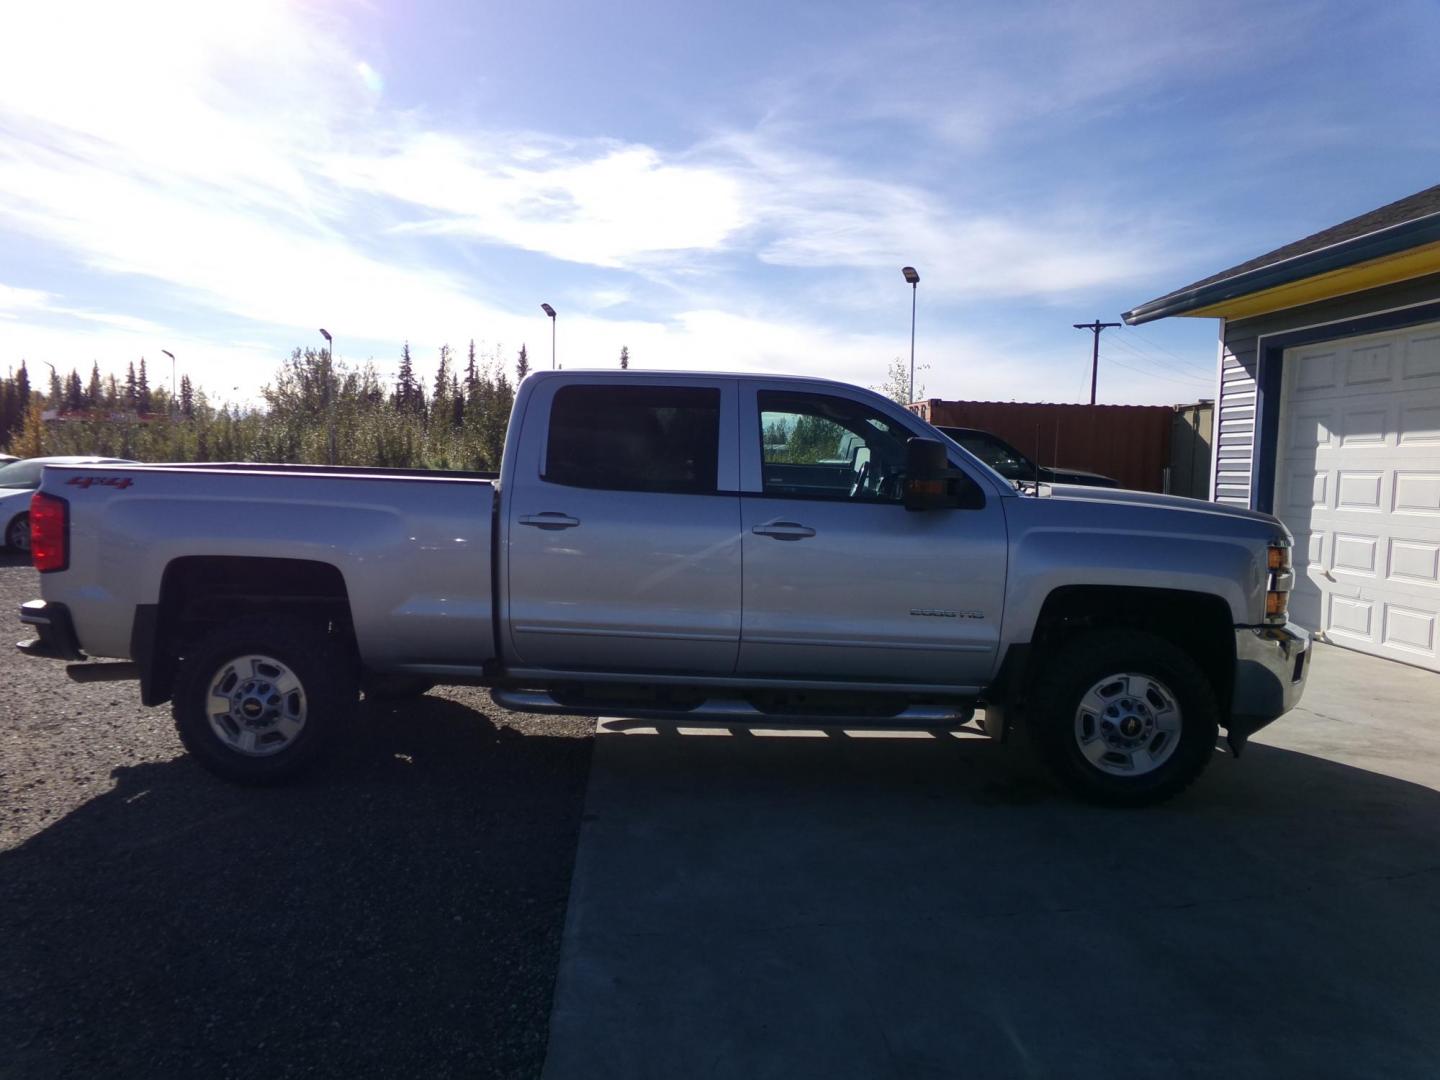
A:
(550, 520)
(784, 530)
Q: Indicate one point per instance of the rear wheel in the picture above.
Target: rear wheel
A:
(17, 533)
(1124, 718)
(259, 698)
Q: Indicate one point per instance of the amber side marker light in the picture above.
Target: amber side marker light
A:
(1277, 598)
(49, 532)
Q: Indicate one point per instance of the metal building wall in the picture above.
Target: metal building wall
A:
(1128, 442)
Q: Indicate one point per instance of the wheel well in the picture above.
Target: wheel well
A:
(200, 592)
(1198, 623)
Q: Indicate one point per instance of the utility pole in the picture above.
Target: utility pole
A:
(1095, 328)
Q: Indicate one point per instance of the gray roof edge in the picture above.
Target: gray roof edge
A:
(1337, 256)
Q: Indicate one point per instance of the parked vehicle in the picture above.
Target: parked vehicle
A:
(20, 477)
(1015, 466)
(701, 548)
(6, 459)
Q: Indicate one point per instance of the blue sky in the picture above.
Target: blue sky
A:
(715, 186)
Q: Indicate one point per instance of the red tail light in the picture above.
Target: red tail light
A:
(49, 532)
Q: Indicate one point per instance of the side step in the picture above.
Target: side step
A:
(736, 711)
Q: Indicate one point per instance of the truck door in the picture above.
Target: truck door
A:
(623, 527)
(840, 580)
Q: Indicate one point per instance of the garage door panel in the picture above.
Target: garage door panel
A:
(1369, 364)
(1365, 426)
(1352, 617)
(1357, 490)
(1415, 562)
(1358, 483)
(1419, 425)
(1410, 630)
(1422, 357)
(1355, 554)
(1417, 493)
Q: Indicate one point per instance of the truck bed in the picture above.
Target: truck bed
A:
(411, 546)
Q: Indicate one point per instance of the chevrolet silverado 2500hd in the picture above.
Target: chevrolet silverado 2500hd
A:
(706, 548)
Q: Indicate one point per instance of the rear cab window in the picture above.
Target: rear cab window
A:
(635, 438)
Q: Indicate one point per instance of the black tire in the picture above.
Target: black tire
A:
(397, 687)
(17, 533)
(319, 661)
(1067, 676)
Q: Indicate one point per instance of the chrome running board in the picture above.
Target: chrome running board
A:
(722, 711)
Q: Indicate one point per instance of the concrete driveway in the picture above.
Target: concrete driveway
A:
(763, 906)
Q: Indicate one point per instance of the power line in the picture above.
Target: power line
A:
(1130, 348)
(1177, 379)
(1156, 345)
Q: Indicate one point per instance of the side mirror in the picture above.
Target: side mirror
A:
(927, 475)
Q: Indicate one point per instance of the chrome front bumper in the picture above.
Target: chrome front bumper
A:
(1271, 666)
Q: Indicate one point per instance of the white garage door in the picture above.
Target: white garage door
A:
(1357, 480)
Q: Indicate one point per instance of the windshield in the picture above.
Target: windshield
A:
(998, 454)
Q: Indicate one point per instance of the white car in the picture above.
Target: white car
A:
(18, 481)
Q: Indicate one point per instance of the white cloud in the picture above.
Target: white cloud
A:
(242, 162)
(602, 204)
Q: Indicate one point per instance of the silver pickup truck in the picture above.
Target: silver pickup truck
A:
(726, 549)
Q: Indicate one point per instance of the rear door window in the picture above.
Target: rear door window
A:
(635, 438)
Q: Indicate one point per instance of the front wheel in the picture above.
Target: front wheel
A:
(1124, 718)
(17, 533)
(258, 699)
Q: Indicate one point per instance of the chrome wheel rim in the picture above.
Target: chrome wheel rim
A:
(19, 537)
(256, 705)
(1128, 724)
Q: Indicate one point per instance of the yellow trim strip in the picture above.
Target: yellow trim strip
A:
(1387, 270)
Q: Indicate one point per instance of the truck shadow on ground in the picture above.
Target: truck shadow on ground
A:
(13, 558)
(939, 910)
(398, 912)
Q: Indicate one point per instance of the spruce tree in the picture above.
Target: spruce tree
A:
(143, 400)
(132, 392)
(472, 374)
(92, 391)
(442, 377)
(624, 357)
(522, 366)
(405, 388)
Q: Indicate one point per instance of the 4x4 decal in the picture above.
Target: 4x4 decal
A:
(118, 482)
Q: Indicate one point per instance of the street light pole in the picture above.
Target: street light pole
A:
(551, 312)
(170, 354)
(329, 399)
(914, 279)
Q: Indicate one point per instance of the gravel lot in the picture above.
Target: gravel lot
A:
(398, 913)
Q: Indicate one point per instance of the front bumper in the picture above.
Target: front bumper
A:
(1271, 666)
(52, 622)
